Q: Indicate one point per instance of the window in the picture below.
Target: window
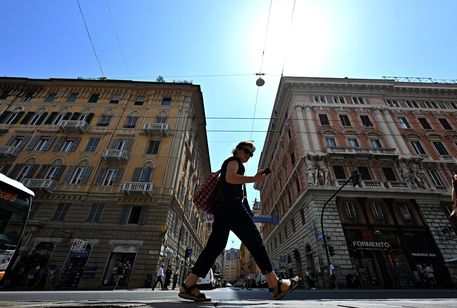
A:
(50, 98)
(440, 148)
(25, 171)
(131, 122)
(104, 120)
(69, 145)
(405, 213)
(43, 144)
(4, 94)
(445, 124)
(349, 210)
(153, 147)
(77, 176)
(366, 121)
(37, 119)
(292, 224)
(115, 99)
(377, 210)
(418, 147)
(365, 173)
(161, 119)
(389, 174)
(424, 123)
(95, 213)
(403, 122)
(345, 120)
(111, 177)
(133, 214)
(166, 101)
(139, 100)
(72, 97)
(358, 100)
(9, 117)
(436, 179)
(92, 144)
(375, 144)
(392, 103)
(302, 215)
(61, 211)
(339, 100)
(142, 175)
(412, 104)
(330, 142)
(34, 209)
(323, 118)
(353, 143)
(94, 97)
(27, 96)
(319, 99)
(339, 172)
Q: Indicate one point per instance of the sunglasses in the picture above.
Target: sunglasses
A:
(246, 151)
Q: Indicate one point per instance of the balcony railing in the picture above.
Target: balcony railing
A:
(74, 126)
(362, 151)
(9, 151)
(396, 184)
(48, 185)
(156, 128)
(138, 187)
(116, 155)
(370, 183)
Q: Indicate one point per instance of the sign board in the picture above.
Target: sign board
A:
(371, 245)
(266, 219)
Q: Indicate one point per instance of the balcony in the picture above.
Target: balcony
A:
(48, 185)
(137, 187)
(362, 151)
(116, 155)
(74, 126)
(156, 129)
(8, 151)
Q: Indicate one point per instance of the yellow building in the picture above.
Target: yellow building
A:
(114, 165)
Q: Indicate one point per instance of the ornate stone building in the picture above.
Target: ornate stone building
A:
(114, 165)
(400, 137)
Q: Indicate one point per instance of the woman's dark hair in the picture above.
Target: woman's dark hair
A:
(242, 145)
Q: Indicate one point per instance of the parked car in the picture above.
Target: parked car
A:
(208, 282)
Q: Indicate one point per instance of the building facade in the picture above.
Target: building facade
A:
(232, 265)
(400, 137)
(114, 165)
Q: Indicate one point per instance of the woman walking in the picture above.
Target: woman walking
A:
(230, 214)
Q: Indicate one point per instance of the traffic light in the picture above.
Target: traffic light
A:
(331, 250)
(356, 179)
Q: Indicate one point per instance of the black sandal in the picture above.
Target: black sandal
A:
(276, 291)
(186, 294)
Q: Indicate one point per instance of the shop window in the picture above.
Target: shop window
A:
(120, 262)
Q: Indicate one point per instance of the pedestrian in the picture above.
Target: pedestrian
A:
(175, 278)
(159, 278)
(231, 214)
(168, 273)
(429, 276)
(453, 216)
(332, 276)
(119, 274)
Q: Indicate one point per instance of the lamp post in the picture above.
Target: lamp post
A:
(355, 178)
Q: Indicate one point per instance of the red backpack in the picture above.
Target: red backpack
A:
(206, 192)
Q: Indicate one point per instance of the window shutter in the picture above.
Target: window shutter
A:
(41, 119)
(33, 143)
(89, 118)
(59, 173)
(27, 117)
(125, 212)
(75, 116)
(100, 176)
(19, 116)
(13, 174)
(136, 175)
(58, 144)
(43, 171)
(69, 174)
(143, 214)
(119, 173)
(85, 174)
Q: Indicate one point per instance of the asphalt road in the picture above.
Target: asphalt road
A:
(233, 297)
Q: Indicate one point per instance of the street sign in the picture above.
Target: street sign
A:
(266, 219)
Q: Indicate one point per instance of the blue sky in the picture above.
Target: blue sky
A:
(221, 45)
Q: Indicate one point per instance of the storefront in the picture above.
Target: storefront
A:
(119, 267)
(74, 265)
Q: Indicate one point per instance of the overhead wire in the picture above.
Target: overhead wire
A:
(90, 38)
(117, 38)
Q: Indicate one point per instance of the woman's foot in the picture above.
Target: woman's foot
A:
(192, 293)
(284, 286)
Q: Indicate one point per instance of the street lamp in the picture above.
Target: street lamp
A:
(356, 181)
